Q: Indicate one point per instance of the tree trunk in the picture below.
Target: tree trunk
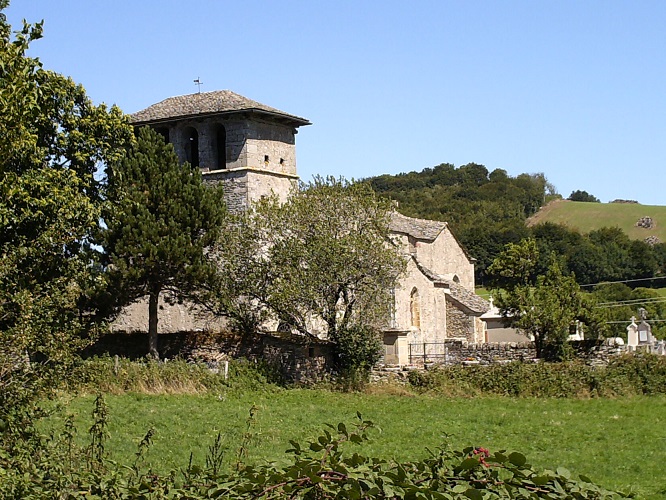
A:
(152, 324)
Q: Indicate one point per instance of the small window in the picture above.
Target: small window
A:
(311, 352)
(192, 146)
(266, 159)
(415, 308)
(281, 161)
(221, 147)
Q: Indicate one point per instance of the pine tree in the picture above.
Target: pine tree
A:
(161, 218)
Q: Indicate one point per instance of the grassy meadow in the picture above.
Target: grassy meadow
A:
(618, 443)
(586, 217)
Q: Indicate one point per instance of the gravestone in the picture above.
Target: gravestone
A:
(632, 333)
(644, 329)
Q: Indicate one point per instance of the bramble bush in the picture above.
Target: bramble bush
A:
(323, 468)
(623, 376)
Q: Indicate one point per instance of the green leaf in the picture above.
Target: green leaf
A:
(564, 472)
(469, 463)
(517, 459)
(474, 494)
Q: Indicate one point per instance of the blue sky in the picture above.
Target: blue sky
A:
(573, 89)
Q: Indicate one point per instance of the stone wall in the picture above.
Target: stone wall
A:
(454, 352)
(445, 256)
(298, 362)
(458, 324)
(432, 312)
(247, 143)
(243, 186)
(295, 359)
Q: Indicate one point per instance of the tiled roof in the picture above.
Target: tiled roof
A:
(468, 298)
(422, 229)
(459, 293)
(207, 103)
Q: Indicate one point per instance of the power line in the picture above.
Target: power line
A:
(632, 302)
(624, 281)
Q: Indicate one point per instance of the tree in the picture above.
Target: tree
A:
(245, 277)
(335, 256)
(53, 140)
(546, 311)
(579, 195)
(545, 307)
(160, 221)
(515, 266)
(321, 259)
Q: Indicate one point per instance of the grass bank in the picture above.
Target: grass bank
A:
(586, 217)
(616, 442)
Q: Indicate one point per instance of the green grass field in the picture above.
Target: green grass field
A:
(586, 217)
(619, 443)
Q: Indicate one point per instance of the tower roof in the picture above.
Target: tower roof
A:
(210, 103)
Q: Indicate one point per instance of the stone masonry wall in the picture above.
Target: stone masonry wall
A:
(243, 186)
(460, 352)
(445, 256)
(459, 324)
(256, 144)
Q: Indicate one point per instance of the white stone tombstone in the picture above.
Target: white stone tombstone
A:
(632, 333)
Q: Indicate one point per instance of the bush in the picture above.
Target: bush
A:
(357, 349)
(623, 376)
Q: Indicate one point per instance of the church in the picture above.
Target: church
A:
(251, 149)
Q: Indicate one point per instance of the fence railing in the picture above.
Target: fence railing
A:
(428, 352)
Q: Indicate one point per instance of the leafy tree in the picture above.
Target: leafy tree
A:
(515, 266)
(545, 307)
(53, 140)
(579, 195)
(245, 279)
(161, 219)
(333, 251)
(548, 310)
(322, 260)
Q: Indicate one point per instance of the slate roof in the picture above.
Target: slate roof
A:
(459, 293)
(209, 103)
(468, 298)
(421, 229)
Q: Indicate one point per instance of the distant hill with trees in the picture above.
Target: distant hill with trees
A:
(487, 210)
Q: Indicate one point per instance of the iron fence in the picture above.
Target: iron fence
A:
(428, 352)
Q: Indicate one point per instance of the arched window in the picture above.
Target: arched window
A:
(221, 147)
(415, 308)
(192, 146)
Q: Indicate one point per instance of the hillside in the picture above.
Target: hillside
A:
(586, 217)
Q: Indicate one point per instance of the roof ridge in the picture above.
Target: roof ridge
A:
(208, 103)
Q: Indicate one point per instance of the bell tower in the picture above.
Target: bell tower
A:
(247, 146)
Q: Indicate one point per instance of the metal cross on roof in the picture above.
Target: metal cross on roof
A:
(198, 83)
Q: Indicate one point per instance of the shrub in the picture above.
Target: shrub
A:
(623, 376)
(357, 349)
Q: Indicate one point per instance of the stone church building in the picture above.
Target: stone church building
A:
(251, 149)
